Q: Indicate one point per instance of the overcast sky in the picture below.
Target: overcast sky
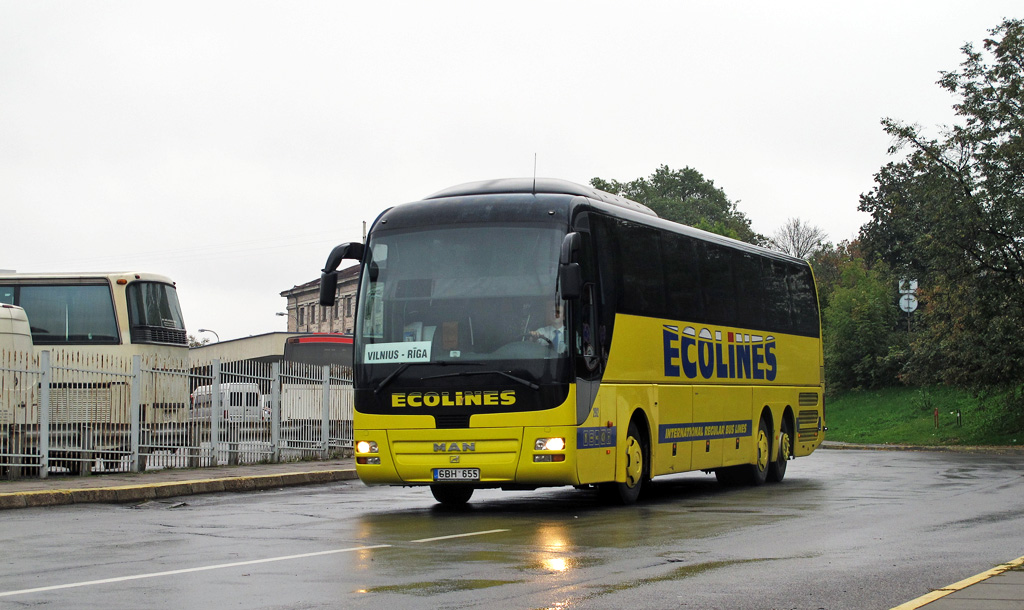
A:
(230, 145)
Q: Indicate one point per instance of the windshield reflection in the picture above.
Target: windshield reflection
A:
(449, 296)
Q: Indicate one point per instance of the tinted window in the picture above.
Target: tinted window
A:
(642, 267)
(718, 287)
(70, 314)
(776, 295)
(663, 274)
(154, 304)
(682, 276)
(804, 300)
(749, 290)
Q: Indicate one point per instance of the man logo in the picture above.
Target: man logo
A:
(453, 459)
(453, 447)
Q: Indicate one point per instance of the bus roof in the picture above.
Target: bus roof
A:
(549, 186)
(604, 201)
(88, 275)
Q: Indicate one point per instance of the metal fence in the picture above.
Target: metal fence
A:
(65, 412)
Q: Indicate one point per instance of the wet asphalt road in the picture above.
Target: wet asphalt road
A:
(847, 529)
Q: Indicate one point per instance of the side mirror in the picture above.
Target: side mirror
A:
(570, 281)
(328, 286)
(329, 276)
(570, 246)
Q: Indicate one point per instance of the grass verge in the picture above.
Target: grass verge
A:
(908, 416)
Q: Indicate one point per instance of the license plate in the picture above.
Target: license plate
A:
(456, 474)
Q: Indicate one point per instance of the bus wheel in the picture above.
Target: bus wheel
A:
(759, 469)
(777, 469)
(750, 474)
(636, 471)
(452, 495)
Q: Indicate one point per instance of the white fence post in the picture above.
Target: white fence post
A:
(275, 412)
(215, 412)
(325, 419)
(135, 407)
(45, 377)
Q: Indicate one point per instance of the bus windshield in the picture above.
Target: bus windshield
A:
(155, 314)
(447, 295)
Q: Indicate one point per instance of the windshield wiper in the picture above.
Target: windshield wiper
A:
(401, 369)
(394, 373)
(525, 382)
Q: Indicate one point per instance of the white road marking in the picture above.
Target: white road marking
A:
(235, 564)
(459, 536)
(219, 566)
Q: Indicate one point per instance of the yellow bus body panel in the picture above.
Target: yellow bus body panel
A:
(702, 422)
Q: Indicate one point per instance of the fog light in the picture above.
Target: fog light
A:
(548, 457)
(366, 447)
(368, 460)
(549, 444)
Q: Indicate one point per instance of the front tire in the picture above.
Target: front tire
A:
(452, 495)
(637, 470)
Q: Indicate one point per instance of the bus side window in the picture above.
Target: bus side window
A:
(589, 346)
(588, 335)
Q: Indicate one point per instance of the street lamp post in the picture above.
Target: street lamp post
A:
(288, 323)
(207, 330)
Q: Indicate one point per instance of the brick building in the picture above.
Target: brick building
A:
(306, 315)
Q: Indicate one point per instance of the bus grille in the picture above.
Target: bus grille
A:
(807, 425)
(808, 399)
(158, 334)
(451, 421)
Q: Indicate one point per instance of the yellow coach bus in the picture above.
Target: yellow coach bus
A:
(525, 333)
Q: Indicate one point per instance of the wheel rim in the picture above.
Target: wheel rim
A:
(762, 449)
(785, 447)
(634, 462)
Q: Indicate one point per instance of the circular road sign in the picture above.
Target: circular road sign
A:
(908, 303)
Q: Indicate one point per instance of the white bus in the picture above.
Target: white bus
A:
(92, 324)
(115, 314)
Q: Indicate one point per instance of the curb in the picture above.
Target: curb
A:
(1003, 450)
(937, 594)
(154, 491)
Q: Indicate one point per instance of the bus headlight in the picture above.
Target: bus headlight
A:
(549, 444)
(366, 447)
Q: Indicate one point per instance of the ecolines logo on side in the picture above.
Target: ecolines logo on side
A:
(486, 398)
(714, 356)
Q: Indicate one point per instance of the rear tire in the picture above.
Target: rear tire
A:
(750, 474)
(452, 495)
(777, 469)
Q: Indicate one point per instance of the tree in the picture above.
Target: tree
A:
(797, 238)
(687, 197)
(861, 348)
(194, 342)
(828, 262)
(952, 214)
